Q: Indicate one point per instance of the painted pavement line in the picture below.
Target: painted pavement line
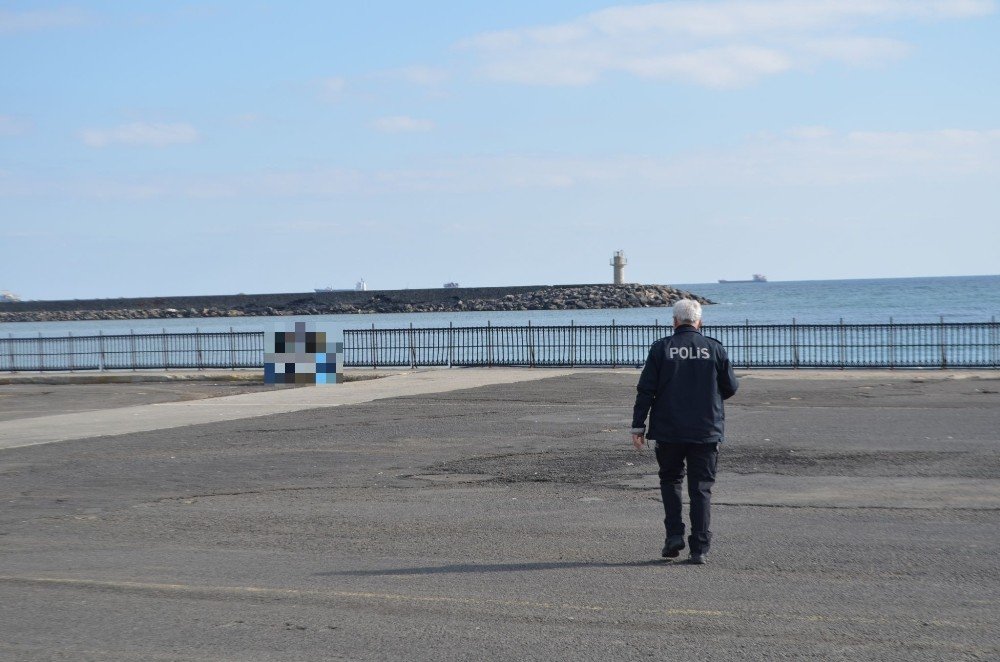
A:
(127, 586)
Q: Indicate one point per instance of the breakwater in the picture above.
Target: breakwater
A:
(514, 298)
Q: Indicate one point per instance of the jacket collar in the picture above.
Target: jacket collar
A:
(686, 328)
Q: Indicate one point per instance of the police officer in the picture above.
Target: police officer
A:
(682, 386)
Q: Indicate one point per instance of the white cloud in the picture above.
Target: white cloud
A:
(401, 124)
(141, 134)
(420, 75)
(12, 126)
(718, 67)
(247, 119)
(741, 17)
(717, 44)
(800, 157)
(815, 156)
(333, 88)
(857, 51)
(41, 19)
(809, 132)
(806, 156)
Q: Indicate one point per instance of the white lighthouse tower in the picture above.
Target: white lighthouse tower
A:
(619, 262)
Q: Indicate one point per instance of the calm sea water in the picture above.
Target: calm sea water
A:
(956, 299)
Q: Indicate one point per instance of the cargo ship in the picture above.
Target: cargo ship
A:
(757, 278)
(360, 286)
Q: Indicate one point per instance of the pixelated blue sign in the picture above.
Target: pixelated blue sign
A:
(303, 355)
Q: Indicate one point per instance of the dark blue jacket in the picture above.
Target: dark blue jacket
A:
(682, 386)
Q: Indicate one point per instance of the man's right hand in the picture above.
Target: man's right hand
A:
(638, 440)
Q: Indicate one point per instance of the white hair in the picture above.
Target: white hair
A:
(687, 311)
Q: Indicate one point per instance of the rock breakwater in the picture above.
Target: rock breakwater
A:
(522, 298)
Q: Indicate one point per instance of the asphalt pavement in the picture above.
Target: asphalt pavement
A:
(459, 515)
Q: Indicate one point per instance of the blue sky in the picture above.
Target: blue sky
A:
(151, 148)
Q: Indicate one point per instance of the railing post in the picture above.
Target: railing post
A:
(795, 345)
(892, 345)
(451, 342)
(489, 344)
(374, 356)
(166, 359)
(232, 349)
(746, 340)
(72, 346)
(132, 346)
(10, 351)
(100, 351)
(197, 349)
(840, 343)
(993, 342)
(413, 351)
(572, 344)
(41, 354)
(614, 343)
(531, 345)
(944, 355)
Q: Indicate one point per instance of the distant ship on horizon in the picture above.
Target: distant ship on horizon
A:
(757, 278)
(360, 286)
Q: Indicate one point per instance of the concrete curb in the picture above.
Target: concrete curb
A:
(139, 377)
(361, 374)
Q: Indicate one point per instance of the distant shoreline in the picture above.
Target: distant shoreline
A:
(514, 298)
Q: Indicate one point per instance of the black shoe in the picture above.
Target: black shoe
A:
(698, 559)
(673, 546)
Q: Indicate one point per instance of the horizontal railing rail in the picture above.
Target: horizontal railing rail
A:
(890, 345)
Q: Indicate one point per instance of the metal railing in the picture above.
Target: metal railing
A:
(227, 349)
(929, 345)
(891, 345)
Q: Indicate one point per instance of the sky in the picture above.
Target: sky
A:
(171, 148)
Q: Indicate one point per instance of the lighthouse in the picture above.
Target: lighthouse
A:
(619, 262)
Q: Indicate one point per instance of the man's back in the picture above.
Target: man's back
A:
(683, 384)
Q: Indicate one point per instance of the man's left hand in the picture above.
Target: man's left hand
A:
(638, 440)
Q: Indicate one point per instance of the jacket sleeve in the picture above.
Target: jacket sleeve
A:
(646, 390)
(728, 383)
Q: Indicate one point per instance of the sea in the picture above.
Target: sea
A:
(856, 301)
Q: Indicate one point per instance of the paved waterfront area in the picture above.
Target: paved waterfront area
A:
(473, 514)
(200, 408)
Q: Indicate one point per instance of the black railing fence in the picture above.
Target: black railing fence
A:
(891, 345)
(227, 349)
